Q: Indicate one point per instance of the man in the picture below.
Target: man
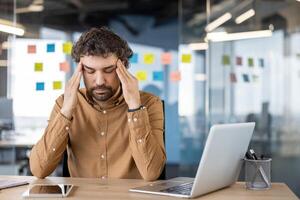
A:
(110, 128)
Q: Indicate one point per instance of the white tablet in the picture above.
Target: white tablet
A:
(42, 190)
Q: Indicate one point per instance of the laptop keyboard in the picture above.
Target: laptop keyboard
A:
(184, 189)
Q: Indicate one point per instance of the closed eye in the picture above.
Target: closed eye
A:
(88, 70)
(109, 69)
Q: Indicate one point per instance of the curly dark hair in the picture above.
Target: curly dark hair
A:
(101, 42)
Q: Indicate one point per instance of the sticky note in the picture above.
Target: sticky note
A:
(246, 78)
(261, 62)
(233, 78)
(57, 85)
(50, 48)
(225, 60)
(175, 76)
(67, 47)
(40, 86)
(166, 58)
(148, 58)
(64, 66)
(141, 75)
(239, 61)
(134, 58)
(186, 58)
(31, 49)
(38, 67)
(250, 62)
(255, 78)
(158, 75)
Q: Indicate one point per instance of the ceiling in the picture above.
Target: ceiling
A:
(77, 15)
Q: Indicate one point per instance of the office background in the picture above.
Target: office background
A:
(211, 61)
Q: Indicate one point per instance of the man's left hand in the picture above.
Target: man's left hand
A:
(130, 86)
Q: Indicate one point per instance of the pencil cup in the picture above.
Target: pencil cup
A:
(258, 174)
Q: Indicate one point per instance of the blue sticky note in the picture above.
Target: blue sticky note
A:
(134, 58)
(246, 78)
(158, 75)
(50, 48)
(261, 62)
(40, 86)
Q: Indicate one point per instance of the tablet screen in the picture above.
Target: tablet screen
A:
(50, 189)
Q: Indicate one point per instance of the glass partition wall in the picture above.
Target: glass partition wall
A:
(248, 55)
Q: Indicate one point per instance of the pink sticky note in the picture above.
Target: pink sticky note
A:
(166, 58)
(31, 49)
(64, 66)
(175, 76)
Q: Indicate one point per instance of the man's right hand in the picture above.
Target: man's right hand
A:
(70, 95)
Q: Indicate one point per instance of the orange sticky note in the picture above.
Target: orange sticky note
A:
(31, 49)
(57, 85)
(64, 66)
(186, 58)
(148, 58)
(141, 75)
(67, 47)
(175, 76)
(38, 67)
(166, 58)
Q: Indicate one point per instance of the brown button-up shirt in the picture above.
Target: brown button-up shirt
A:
(104, 140)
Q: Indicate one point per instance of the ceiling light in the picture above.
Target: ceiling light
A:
(218, 22)
(214, 37)
(243, 17)
(9, 27)
(31, 8)
(198, 46)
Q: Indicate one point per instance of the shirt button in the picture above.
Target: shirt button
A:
(103, 177)
(129, 120)
(140, 140)
(102, 156)
(102, 133)
(67, 128)
(104, 111)
(53, 149)
(135, 119)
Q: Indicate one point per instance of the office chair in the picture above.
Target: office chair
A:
(162, 176)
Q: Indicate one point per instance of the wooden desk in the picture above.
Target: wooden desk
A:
(118, 189)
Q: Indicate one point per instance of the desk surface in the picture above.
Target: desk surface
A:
(118, 189)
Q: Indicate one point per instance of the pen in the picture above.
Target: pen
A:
(253, 154)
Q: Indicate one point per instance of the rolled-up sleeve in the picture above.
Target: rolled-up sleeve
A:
(48, 151)
(146, 138)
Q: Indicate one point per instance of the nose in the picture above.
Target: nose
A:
(100, 80)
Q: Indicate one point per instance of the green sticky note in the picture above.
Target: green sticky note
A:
(57, 85)
(250, 62)
(186, 58)
(141, 75)
(38, 67)
(148, 58)
(226, 60)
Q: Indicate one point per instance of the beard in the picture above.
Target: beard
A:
(101, 93)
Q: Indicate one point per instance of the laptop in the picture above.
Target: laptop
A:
(219, 167)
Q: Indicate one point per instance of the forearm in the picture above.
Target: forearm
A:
(147, 144)
(47, 153)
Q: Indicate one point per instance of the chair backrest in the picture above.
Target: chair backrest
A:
(162, 176)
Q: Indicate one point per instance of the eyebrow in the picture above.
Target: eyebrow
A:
(110, 66)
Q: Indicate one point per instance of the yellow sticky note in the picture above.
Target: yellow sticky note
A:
(67, 47)
(38, 67)
(141, 75)
(186, 58)
(148, 58)
(57, 85)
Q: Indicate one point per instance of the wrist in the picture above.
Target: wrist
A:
(67, 113)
